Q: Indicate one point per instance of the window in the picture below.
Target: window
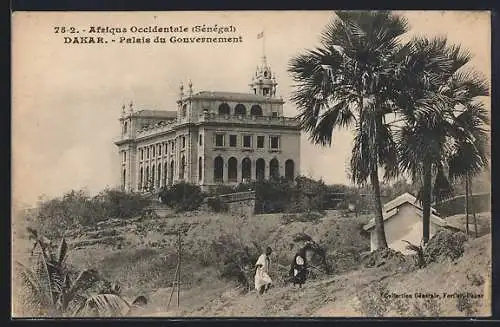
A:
(275, 114)
(274, 142)
(125, 127)
(219, 139)
(256, 110)
(147, 152)
(200, 141)
(159, 149)
(260, 142)
(233, 140)
(247, 141)
(240, 109)
(173, 146)
(224, 109)
(166, 148)
(184, 110)
(183, 142)
(154, 150)
(142, 154)
(124, 156)
(200, 168)
(266, 91)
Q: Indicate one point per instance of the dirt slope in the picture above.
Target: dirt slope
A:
(340, 295)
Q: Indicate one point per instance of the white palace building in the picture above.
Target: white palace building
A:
(212, 138)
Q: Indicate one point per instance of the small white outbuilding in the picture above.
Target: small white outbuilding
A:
(403, 221)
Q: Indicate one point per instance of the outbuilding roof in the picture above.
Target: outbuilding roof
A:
(391, 208)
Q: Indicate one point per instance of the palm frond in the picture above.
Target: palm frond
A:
(108, 305)
(62, 251)
(442, 188)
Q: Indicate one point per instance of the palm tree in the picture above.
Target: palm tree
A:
(348, 82)
(471, 155)
(52, 289)
(440, 115)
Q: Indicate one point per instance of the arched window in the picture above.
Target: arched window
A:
(260, 169)
(141, 176)
(240, 109)
(171, 175)
(158, 179)
(182, 167)
(200, 169)
(152, 180)
(289, 169)
(125, 127)
(165, 171)
(224, 109)
(256, 110)
(232, 169)
(124, 178)
(274, 169)
(184, 110)
(246, 169)
(218, 169)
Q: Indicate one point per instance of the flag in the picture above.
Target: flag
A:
(260, 35)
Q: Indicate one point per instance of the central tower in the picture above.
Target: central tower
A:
(263, 81)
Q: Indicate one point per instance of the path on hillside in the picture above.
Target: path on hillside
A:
(337, 295)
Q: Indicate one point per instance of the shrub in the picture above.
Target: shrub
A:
(234, 260)
(217, 205)
(77, 208)
(182, 196)
(445, 244)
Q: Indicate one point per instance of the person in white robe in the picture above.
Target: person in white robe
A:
(262, 280)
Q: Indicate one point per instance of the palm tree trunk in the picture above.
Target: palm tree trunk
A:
(467, 204)
(379, 218)
(426, 201)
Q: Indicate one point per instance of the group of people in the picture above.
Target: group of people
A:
(298, 270)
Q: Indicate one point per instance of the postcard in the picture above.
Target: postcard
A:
(251, 164)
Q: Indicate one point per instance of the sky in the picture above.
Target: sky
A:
(67, 98)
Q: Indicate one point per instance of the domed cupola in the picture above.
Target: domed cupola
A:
(263, 82)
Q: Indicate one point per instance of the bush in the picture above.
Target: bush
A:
(234, 260)
(444, 244)
(217, 205)
(182, 196)
(77, 208)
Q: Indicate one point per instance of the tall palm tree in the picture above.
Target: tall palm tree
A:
(348, 82)
(439, 110)
(471, 155)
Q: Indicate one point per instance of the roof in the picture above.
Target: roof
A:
(238, 96)
(391, 209)
(402, 199)
(156, 114)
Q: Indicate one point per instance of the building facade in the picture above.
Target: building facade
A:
(212, 138)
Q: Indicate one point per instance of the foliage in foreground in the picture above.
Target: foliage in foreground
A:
(52, 288)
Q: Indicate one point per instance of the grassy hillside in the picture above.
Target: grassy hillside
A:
(219, 251)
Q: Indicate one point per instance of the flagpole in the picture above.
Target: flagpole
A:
(263, 43)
